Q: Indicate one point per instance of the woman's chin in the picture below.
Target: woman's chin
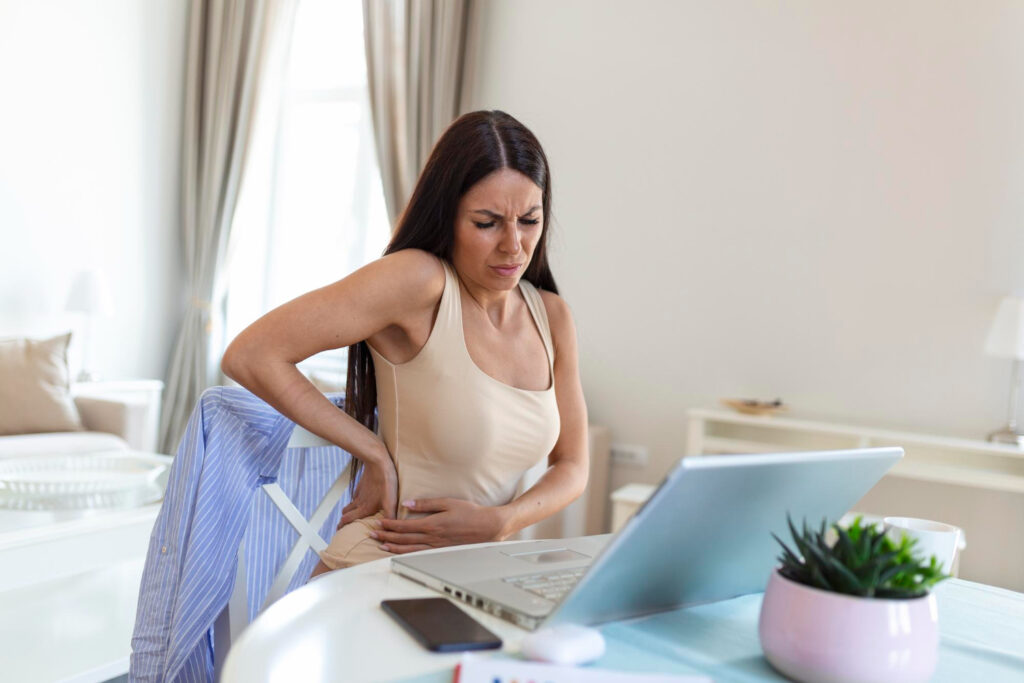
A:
(504, 283)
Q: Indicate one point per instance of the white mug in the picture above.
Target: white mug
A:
(933, 538)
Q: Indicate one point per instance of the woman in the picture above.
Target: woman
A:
(458, 337)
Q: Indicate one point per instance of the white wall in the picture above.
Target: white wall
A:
(817, 201)
(90, 127)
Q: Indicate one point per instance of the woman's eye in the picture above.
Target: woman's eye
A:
(521, 220)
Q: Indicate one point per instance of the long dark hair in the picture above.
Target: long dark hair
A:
(473, 146)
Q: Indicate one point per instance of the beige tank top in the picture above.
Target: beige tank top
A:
(452, 429)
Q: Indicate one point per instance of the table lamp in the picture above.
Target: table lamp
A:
(89, 295)
(1006, 340)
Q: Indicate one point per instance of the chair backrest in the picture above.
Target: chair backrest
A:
(235, 616)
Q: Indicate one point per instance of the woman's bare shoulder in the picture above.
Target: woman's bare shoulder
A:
(563, 329)
(415, 276)
(555, 305)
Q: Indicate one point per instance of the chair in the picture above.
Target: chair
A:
(238, 613)
(250, 496)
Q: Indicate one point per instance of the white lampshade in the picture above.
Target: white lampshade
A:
(1006, 336)
(90, 294)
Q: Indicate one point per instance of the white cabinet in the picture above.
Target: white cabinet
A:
(964, 462)
(626, 500)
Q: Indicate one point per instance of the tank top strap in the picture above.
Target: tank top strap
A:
(449, 311)
(540, 316)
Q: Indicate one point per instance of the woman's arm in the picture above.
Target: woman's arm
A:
(569, 461)
(459, 521)
(389, 291)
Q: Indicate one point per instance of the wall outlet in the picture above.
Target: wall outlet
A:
(629, 454)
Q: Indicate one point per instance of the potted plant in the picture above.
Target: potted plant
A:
(853, 605)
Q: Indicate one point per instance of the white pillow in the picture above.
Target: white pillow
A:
(35, 387)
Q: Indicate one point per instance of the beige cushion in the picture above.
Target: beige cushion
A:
(34, 387)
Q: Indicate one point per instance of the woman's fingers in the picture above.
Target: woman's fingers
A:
(355, 513)
(405, 526)
(401, 539)
(427, 504)
(402, 549)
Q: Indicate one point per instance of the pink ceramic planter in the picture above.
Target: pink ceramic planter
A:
(814, 635)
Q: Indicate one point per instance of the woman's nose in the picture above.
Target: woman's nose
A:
(511, 241)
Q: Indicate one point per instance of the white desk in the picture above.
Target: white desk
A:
(333, 629)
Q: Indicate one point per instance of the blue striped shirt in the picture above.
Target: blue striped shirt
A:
(234, 442)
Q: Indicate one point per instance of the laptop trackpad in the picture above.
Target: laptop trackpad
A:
(548, 556)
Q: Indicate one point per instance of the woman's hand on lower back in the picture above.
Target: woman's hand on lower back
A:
(451, 522)
(377, 490)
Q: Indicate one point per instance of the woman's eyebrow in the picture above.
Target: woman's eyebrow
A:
(498, 215)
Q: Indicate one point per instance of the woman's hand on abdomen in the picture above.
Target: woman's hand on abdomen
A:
(449, 521)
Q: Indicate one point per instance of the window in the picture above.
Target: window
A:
(312, 208)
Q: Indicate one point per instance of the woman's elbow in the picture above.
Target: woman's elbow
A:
(227, 367)
(233, 363)
(581, 473)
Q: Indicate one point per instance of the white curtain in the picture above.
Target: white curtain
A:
(234, 48)
(415, 54)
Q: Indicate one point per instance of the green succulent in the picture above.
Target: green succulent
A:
(863, 561)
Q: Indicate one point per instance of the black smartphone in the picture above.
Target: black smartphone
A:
(439, 625)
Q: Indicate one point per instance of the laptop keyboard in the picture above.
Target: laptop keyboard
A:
(549, 585)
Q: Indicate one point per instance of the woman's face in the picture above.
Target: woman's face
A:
(497, 227)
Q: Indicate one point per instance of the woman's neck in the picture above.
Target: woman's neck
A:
(498, 305)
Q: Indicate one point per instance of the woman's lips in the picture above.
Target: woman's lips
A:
(507, 271)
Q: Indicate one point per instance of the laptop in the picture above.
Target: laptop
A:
(703, 535)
